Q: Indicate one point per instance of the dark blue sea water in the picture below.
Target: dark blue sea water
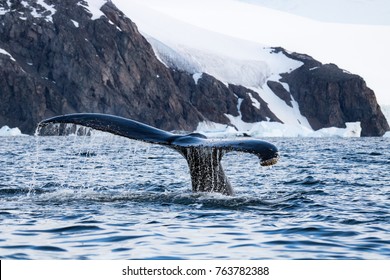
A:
(111, 198)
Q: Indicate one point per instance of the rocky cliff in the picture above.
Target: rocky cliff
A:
(58, 57)
(329, 96)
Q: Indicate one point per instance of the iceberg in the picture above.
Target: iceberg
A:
(274, 129)
(7, 131)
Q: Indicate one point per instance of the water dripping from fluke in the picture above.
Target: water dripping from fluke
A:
(202, 155)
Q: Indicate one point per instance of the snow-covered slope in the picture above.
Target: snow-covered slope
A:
(359, 48)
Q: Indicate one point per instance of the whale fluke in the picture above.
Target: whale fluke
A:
(203, 155)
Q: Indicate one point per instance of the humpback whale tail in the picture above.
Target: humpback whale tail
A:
(203, 155)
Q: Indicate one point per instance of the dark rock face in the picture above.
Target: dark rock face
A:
(209, 95)
(212, 97)
(249, 111)
(18, 107)
(280, 92)
(66, 62)
(329, 96)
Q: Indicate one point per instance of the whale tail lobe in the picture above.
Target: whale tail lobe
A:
(203, 155)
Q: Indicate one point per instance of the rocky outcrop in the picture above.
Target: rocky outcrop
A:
(280, 92)
(253, 108)
(329, 96)
(212, 97)
(22, 95)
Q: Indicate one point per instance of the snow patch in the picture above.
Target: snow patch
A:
(3, 9)
(288, 115)
(196, 77)
(2, 51)
(75, 23)
(93, 6)
(255, 102)
(49, 8)
(117, 27)
(40, 10)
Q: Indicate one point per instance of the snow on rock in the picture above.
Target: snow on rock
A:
(288, 115)
(40, 9)
(5, 6)
(196, 77)
(75, 23)
(93, 6)
(47, 8)
(255, 103)
(7, 131)
(2, 51)
(37, 8)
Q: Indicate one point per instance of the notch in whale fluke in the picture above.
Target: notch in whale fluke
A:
(203, 155)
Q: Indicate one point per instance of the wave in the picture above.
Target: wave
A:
(174, 194)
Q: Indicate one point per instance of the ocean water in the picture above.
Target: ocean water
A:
(107, 197)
